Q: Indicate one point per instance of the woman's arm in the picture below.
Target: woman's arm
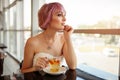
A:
(27, 65)
(68, 50)
(29, 52)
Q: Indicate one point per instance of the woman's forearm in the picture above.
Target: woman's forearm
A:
(71, 56)
(28, 70)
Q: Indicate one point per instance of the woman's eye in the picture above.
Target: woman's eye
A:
(59, 15)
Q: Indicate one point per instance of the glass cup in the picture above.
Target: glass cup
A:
(54, 64)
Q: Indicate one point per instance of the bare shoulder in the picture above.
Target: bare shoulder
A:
(32, 41)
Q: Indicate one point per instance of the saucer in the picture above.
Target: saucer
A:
(62, 70)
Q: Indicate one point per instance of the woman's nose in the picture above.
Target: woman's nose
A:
(64, 18)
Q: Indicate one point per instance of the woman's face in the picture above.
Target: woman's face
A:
(58, 20)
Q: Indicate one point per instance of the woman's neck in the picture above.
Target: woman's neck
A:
(50, 34)
(49, 38)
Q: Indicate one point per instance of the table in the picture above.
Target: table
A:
(69, 75)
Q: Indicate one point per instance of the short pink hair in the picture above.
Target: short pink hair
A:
(46, 11)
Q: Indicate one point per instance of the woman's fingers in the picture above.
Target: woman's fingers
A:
(42, 62)
(68, 28)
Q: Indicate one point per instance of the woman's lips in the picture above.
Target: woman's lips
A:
(63, 24)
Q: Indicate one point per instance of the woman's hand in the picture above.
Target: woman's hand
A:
(68, 50)
(41, 63)
(67, 31)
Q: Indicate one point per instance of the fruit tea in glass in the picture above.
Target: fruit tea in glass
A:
(54, 64)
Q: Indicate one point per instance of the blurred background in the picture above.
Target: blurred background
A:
(96, 24)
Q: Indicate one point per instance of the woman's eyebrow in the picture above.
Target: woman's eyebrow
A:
(60, 12)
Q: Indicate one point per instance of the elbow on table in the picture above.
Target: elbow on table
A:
(25, 71)
(72, 67)
(22, 70)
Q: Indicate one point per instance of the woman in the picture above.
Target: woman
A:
(54, 40)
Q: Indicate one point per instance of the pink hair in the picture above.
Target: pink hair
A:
(45, 13)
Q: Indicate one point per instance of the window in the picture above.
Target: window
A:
(12, 34)
(17, 26)
(96, 37)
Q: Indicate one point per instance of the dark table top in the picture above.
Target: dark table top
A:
(69, 75)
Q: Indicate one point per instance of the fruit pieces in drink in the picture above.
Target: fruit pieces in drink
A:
(54, 65)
